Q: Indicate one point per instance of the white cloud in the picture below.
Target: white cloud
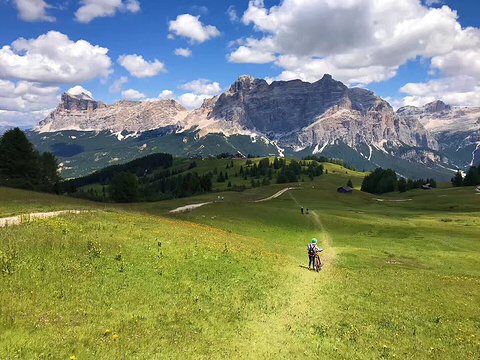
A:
(54, 58)
(192, 101)
(167, 95)
(117, 84)
(202, 87)
(189, 100)
(132, 94)
(310, 38)
(232, 14)
(460, 90)
(78, 90)
(183, 52)
(92, 9)
(192, 28)
(33, 10)
(254, 51)
(140, 68)
(25, 96)
(18, 118)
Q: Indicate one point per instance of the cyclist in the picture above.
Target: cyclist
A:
(313, 251)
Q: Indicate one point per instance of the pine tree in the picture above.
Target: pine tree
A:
(229, 184)
(457, 180)
(349, 183)
(402, 185)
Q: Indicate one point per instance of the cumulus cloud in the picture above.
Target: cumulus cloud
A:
(167, 95)
(18, 118)
(183, 52)
(192, 28)
(203, 87)
(192, 101)
(460, 90)
(117, 84)
(132, 94)
(33, 10)
(92, 9)
(79, 90)
(309, 38)
(137, 66)
(25, 96)
(54, 58)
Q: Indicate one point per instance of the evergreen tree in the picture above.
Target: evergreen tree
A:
(241, 170)
(221, 178)
(349, 183)
(402, 185)
(229, 184)
(226, 175)
(124, 188)
(472, 178)
(457, 180)
(23, 167)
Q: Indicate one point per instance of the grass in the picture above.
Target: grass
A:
(401, 279)
(17, 202)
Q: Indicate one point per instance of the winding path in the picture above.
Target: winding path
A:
(24, 218)
(189, 207)
(276, 194)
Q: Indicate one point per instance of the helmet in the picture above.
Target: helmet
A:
(314, 241)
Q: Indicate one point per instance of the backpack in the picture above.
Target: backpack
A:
(311, 249)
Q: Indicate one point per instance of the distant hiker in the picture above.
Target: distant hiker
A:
(223, 198)
(218, 197)
(301, 210)
(313, 251)
(307, 211)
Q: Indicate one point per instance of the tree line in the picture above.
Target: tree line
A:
(381, 181)
(472, 177)
(21, 166)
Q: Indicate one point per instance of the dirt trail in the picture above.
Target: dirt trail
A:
(276, 194)
(24, 218)
(189, 207)
(304, 286)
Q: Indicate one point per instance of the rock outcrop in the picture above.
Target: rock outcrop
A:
(298, 114)
(82, 113)
(457, 129)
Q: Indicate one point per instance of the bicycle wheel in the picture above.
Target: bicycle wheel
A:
(318, 265)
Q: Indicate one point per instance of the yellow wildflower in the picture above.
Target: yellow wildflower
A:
(106, 332)
(115, 336)
(73, 357)
(385, 346)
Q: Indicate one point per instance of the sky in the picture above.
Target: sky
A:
(410, 52)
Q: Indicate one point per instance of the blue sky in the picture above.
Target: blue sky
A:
(408, 53)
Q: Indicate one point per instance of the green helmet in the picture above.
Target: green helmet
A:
(314, 241)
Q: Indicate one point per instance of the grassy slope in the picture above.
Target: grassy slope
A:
(207, 165)
(404, 275)
(16, 202)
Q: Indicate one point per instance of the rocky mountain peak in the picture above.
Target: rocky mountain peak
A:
(436, 106)
(80, 102)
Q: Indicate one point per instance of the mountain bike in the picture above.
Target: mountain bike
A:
(318, 263)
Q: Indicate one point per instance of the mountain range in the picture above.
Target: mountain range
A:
(283, 118)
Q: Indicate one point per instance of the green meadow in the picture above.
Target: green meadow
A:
(401, 276)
